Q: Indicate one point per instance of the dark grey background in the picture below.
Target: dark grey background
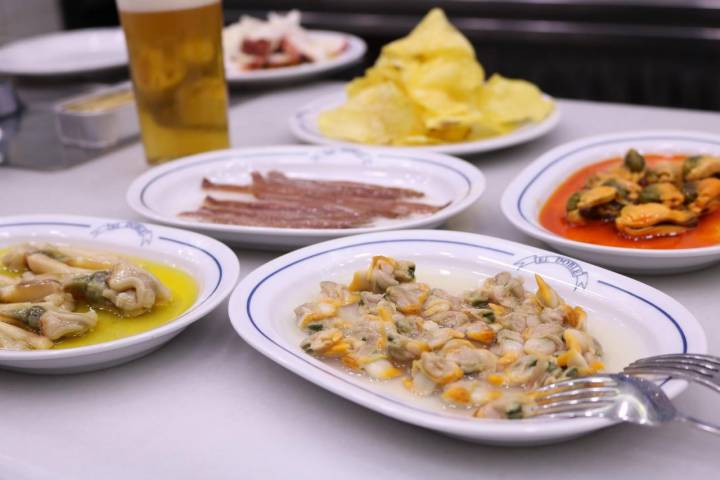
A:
(653, 52)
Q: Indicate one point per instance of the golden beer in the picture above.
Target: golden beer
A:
(176, 64)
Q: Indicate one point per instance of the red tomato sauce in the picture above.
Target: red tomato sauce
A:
(552, 216)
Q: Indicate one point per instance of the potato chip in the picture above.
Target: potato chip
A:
(428, 88)
(444, 85)
(513, 101)
(379, 114)
(434, 36)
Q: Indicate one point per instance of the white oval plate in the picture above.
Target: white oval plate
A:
(303, 124)
(163, 192)
(352, 54)
(64, 53)
(527, 193)
(630, 319)
(214, 267)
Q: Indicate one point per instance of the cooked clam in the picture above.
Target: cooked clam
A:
(48, 319)
(468, 357)
(13, 337)
(665, 193)
(596, 202)
(49, 258)
(645, 199)
(654, 220)
(134, 290)
(544, 339)
(57, 283)
(526, 370)
(29, 290)
(480, 350)
(596, 196)
(438, 368)
(662, 172)
(384, 272)
(701, 166)
(546, 295)
(703, 196)
(409, 297)
(626, 189)
(126, 288)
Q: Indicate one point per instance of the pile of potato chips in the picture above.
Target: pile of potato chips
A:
(428, 88)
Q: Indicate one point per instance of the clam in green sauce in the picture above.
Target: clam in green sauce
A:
(480, 353)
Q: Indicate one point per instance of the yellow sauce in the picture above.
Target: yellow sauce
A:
(101, 103)
(112, 327)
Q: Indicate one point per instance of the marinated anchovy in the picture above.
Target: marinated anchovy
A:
(483, 351)
(275, 200)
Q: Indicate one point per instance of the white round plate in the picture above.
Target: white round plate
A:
(304, 125)
(527, 193)
(163, 192)
(352, 54)
(630, 319)
(214, 267)
(64, 53)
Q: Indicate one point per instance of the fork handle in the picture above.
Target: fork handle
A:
(699, 424)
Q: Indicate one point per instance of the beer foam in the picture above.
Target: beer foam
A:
(161, 5)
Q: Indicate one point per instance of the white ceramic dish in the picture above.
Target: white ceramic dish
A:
(527, 193)
(214, 267)
(97, 129)
(630, 319)
(163, 192)
(65, 53)
(352, 54)
(303, 124)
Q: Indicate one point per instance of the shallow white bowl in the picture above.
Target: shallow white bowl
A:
(304, 125)
(630, 319)
(64, 53)
(527, 193)
(352, 54)
(213, 266)
(163, 192)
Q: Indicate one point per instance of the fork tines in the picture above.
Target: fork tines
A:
(704, 369)
(701, 364)
(577, 397)
(704, 362)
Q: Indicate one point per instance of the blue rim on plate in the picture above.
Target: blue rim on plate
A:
(164, 191)
(304, 128)
(240, 156)
(598, 144)
(212, 264)
(525, 196)
(164, 238)
(343, 378)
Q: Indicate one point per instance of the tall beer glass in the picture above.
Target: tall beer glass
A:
(176, 64)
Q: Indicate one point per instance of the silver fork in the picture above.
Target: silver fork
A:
(613, 396)
(703, 369)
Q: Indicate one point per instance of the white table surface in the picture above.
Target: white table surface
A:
(208, 406)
